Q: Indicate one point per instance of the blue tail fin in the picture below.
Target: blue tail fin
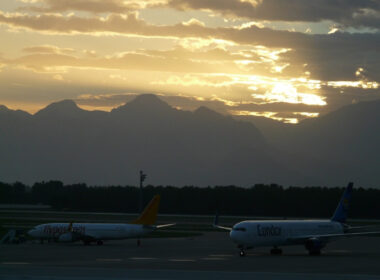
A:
(340, 214)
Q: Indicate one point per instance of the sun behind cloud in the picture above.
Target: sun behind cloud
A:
(247, 53)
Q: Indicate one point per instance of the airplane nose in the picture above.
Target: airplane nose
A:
(233, 235)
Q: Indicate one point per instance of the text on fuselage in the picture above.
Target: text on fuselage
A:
(52, 230)
(268, 230)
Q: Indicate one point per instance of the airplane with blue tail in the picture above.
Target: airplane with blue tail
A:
(313, 234)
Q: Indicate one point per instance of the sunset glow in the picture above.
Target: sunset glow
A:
(237, 53)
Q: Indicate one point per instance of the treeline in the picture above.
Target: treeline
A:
(259, 200)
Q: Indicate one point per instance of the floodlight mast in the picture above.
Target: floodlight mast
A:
(142, 179)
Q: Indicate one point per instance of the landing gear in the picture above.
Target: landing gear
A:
(86, 242)
(242, 253)
(99, 242)
(138, 242)
(276, 251)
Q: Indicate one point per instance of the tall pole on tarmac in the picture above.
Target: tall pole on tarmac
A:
(142, 179)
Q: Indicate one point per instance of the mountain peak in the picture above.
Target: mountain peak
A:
(206, 112)
(145, 103)
(64, 107)
(3, 108)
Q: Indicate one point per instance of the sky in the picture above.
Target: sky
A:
(283, 59)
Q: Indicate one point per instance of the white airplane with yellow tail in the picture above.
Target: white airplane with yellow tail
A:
(98, 232)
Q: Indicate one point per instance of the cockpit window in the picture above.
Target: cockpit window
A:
(240, 229)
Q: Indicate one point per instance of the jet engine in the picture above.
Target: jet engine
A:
(314, 245)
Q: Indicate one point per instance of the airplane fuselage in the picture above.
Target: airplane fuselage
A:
(95, 231)
(280, 232)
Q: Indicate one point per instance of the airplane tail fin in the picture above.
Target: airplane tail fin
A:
(149, 215)
(340, 214)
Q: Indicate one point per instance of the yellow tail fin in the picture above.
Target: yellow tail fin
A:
(149, 215)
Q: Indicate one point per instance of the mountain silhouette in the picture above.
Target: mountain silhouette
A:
(65, 108)
(347, 139)
(176, 147)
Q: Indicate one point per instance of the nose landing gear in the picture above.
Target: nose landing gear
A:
(243, 249)
(242, 253)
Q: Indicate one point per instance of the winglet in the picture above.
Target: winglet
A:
(340, 214)
(216, 223)
(216, 219)
(149, 215)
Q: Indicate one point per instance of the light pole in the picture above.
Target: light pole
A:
(142, 179)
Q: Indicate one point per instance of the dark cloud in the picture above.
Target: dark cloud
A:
(347, 51)
(93, 6)
(363, 13)
(348, 13)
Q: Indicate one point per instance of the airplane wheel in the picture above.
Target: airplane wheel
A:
(99, 242)
(242, 253)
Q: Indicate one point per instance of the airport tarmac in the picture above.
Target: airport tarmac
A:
(201, 257)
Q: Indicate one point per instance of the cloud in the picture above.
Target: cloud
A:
(353, 13)
(131, 25)
(48, 49)
(92, 6)
(193, 21)
(179, 60)
(347, 51)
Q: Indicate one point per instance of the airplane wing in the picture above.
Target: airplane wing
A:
(216, 223)
(329, 237)
(164, 226)
(221, 227)
(347, 227)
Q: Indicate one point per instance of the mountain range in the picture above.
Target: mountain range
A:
(176, 147)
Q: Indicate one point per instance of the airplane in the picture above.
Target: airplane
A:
(313, 234)
(98, 232)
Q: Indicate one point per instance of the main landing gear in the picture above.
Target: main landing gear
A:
(138, 242)
(242, 253)
(99, 242)
(276, 251)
